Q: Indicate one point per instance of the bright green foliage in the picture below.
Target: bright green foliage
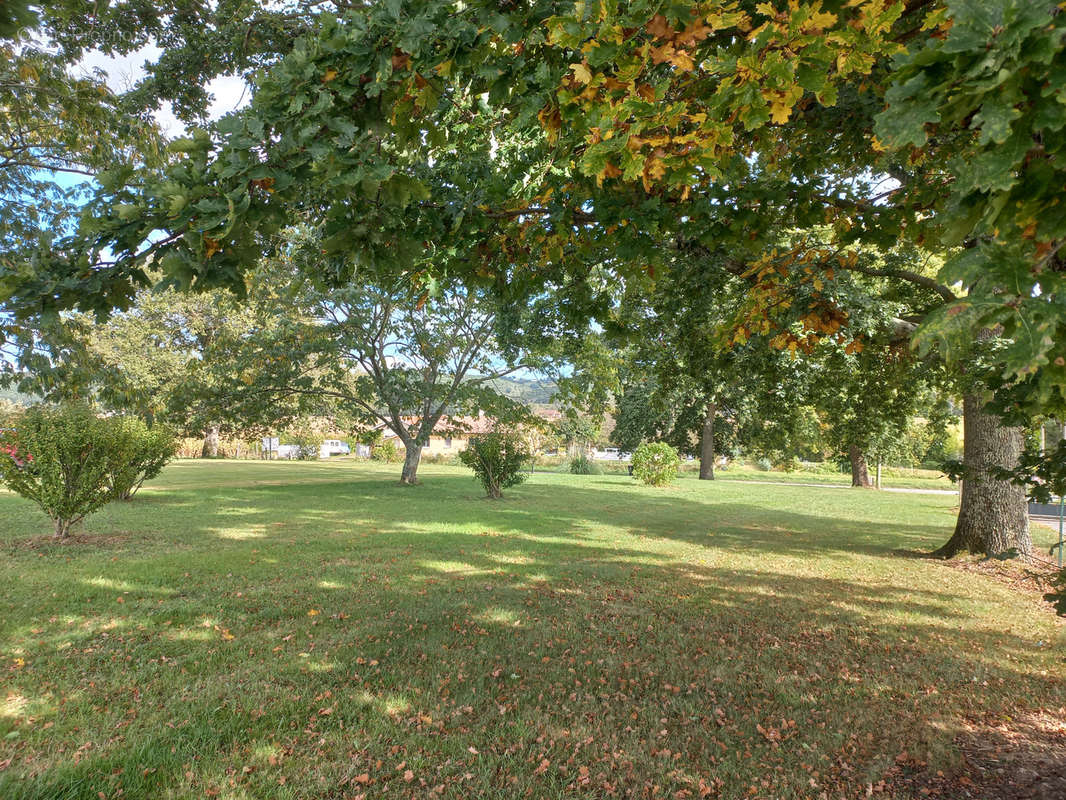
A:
(497, 459)
(524, 139)
(573, 429)
(60, 127)
(169, 357)
(982, 109)
(149, 451)
(655, 463)
(68, 460)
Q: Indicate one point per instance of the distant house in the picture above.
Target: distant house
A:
(450, 435)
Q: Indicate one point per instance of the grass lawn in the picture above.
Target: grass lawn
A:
(273, 630)
(891, 478)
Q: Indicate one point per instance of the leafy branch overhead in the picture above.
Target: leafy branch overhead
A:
(523, 141)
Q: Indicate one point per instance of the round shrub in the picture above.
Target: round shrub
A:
(763, 464)
(496, 459)
(150, 450)
(65, 459)
(655, 464)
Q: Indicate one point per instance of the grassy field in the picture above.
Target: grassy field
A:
(892, 477)
(272, 630)
(823, 474)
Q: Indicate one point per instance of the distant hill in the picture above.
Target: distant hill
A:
(525, 390)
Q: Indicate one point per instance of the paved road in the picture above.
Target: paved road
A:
(1051, 522)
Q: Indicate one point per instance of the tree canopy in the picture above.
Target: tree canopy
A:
(690, 122)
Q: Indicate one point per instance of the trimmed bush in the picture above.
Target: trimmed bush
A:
(151, 449)
(65, 459)
(496, 459)
(655, 464)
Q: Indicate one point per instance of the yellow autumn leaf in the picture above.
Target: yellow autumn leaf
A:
(654, 168)
(819, 21)
(581, 72)
(329, 75)
(313, 612)
(780, 110)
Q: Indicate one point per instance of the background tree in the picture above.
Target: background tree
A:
(577, 432)
(168, 358)
(867, 398)
(380, 354)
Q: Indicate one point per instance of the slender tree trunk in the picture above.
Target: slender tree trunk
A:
(63, 527)
(412, 457)
(707, 443)
(860, 473)
(210, 449)
(993, 514)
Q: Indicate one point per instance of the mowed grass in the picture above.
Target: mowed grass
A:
(274, 630)
(892, 478)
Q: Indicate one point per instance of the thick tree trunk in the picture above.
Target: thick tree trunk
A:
(707, 443)
(412, 457)
(993, 514)
(210, 449)
(860, 473)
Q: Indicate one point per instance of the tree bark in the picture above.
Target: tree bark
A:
(707, 443)
(210, 448)
(860, 472)
(412, 457)
(63, 527)
(993, 513)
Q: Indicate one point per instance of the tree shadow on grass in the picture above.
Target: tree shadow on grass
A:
(744, 675)
(559, 628)
(767, 524)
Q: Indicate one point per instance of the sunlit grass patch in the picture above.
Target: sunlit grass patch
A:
(587, 637)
